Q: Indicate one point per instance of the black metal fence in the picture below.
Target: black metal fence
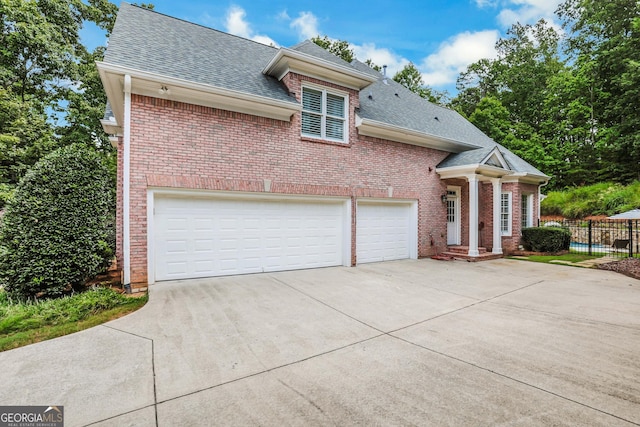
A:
(615, 238)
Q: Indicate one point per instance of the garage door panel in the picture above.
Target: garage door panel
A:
(384, 231)
(213, 237)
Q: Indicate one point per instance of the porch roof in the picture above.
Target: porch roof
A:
(460, 165)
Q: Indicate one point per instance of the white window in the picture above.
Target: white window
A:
(526, 206)
(505, 214)
(324, 115)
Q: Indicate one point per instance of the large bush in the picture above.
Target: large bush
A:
(58, 228)
(546, 239)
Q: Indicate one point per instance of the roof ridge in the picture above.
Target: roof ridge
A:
(195, 24)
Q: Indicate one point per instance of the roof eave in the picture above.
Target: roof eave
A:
(528, 178)
(111, 127)
(287, 60)
(473, 169)
(147, 83)
(391, 132)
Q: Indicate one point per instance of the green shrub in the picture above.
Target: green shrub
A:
(598, 199)
(546, 239)
(58, 228)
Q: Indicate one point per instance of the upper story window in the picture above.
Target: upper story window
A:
(324, 114)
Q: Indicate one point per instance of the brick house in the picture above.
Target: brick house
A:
(236, 157)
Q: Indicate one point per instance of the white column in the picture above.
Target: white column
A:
(497, 234)
(473, 215)
(126, 182)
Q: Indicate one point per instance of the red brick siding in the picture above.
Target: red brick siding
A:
(180, 145)
(485, 212)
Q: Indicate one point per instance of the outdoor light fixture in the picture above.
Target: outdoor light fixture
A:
(444, 198)
(163, 90)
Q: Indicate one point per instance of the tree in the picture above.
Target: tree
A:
(512, 97)
(50, 92)
(411, 78)
(603, 41)
(370, 63)
(339, 48)
(58, 228)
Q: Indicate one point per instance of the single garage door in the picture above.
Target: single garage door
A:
(200, 237)
(385, 231)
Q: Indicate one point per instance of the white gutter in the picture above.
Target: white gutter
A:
(126, 183)
(382, 130)
(540, 197)
(147, 83)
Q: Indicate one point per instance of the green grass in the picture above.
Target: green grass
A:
(566, 257)
(26, 323)
(547, 259)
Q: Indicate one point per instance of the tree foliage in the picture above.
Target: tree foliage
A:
(566, 102)
(50, 93)
(339, 48)
(58, 228)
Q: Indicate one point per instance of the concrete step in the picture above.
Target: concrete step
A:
(464, 249)
(484, 256)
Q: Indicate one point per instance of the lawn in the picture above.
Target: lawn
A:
(571, 257)
(27, 323)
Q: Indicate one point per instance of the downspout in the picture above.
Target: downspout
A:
(540, 198)
(126, 183)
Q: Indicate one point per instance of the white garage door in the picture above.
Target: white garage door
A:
(385, 231)
(215, 237)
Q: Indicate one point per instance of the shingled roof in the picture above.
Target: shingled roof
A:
(150, 42)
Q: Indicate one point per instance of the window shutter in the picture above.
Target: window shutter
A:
(311, 124)
(323, 114)
(335, 105)
(312, 100)
(335, 128)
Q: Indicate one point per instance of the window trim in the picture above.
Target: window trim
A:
(527, 217)
(509, 213)
(323, 122)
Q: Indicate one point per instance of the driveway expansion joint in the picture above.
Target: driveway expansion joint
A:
(282, 282)
(266, 371)
(566, 317)
(463, 308)
(153, 368)
(527, 384)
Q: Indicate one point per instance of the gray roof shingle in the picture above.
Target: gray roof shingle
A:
(148, 41)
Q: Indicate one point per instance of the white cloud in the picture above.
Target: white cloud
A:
(306, 24)
(486, 3)
(236, 24)
(527, 12)
(380, 56)
(284, 15)
(454, 55)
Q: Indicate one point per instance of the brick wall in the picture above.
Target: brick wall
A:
(180, 145)
(485, 212)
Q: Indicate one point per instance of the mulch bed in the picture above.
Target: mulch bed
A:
(628, 266)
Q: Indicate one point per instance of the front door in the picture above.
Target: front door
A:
(453, 215)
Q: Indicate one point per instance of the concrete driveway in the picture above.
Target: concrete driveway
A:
(399, 343)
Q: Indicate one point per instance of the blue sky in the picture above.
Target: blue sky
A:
(441, 37)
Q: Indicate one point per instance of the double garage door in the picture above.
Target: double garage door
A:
(203, 237)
